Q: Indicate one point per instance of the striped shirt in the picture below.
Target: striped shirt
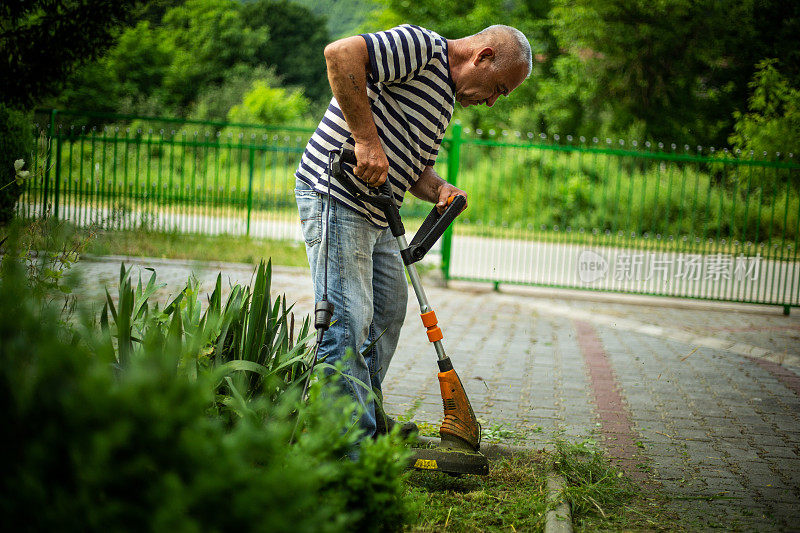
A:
(412, 96)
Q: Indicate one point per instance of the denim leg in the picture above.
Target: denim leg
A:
(390, 295)
(350, 281)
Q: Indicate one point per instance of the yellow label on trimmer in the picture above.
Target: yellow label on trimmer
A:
(427, 464)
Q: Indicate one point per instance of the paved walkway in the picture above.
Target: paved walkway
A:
(702, 399)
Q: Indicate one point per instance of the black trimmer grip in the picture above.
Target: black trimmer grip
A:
(381, 197)
(348, 156)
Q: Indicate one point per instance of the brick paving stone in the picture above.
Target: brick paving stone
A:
(782, 452)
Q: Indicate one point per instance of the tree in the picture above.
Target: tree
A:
(296, 43)
(671, 70)
(161, 68)
(343, 18)
(269, 105)
(44, 40)
(201, 57)
(772, 124)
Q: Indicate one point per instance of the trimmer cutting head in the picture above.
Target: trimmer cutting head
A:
(459, 450)
(450, 461)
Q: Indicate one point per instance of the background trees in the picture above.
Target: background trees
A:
(201, 57)
(676, 70)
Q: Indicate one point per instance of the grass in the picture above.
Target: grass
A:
(227, 248)
(513, 497)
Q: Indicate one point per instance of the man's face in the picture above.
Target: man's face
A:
(483, 82)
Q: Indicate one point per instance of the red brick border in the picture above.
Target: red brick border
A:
(615, 419)
(783, 374)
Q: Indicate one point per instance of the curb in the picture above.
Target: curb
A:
(559, 517)
(598, 296)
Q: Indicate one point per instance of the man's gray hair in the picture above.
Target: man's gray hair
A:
(519, 42)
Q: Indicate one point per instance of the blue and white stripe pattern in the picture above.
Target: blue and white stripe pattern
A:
(412, 97)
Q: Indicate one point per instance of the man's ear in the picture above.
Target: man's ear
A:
(487, 52)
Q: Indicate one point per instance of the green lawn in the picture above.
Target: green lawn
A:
(227, 248)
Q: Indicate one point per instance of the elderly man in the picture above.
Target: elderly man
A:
(393, 97)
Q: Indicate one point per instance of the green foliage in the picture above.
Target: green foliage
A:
(343, 18)
(47, 249)
(214, 102)
(16, 143)
(662, 71)
(634, 68)
(246, 342)
(44, 40)
(772, 125)
(298, 37)
(594, 487)
(201, 57)
(161, 67)
(269, 105)
(104, 442)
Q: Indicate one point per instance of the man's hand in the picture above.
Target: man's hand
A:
(432, 188)
(373, 166)
(445, 192)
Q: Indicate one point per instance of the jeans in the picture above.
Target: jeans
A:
(366, 285)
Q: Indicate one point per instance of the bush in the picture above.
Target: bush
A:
(268, 105)
(16, 142)
(101, 444)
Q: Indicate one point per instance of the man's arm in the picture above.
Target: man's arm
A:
(348, 63)
(432, 188)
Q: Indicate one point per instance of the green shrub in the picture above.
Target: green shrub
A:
(137, 444)
(16, 142)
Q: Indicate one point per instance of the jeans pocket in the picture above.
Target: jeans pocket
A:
(309, 206)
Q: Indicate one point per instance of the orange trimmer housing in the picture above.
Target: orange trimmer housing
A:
(460, 428)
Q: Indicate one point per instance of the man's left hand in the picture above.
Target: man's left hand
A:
(445, 192)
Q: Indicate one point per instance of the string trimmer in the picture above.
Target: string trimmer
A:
(459, 449)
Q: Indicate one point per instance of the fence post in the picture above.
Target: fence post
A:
(250, 186)
(48, 159)
(57, 184)
(453, 161)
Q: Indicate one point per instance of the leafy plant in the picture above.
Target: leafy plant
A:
(142, 444)
(16, 143)
(47, 249)
(772, 125)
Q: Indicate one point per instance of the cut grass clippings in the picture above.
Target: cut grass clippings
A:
(513, 497)
(225, 248)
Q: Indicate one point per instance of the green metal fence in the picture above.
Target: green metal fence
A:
(575, 213)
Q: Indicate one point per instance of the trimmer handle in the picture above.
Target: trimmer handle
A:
(379, 197)
(432, 228)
